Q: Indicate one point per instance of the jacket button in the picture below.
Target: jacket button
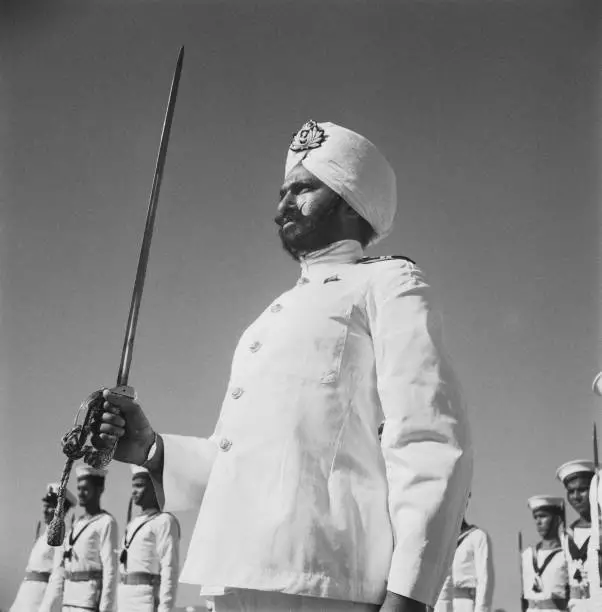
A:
(303, 281)
(255, 346)
(276, 307)
(237, 392)
(225, 444)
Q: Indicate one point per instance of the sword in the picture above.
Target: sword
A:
(74, 441)
(595, 442)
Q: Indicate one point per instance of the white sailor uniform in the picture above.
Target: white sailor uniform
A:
(298, 496)
(575, 542)
(149, 564)
(37, 573)
(593, 549)
(545, 578)
(85, 573)
(469, 587)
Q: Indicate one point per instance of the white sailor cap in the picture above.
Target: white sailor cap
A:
(571, 468)
(85, 471)
(597, 384)
(52, 493)
(545, 501)
(138, 470)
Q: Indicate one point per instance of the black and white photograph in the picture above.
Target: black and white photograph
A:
(300, 305)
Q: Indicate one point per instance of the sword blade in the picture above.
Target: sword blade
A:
(130, 332)
(595, 441)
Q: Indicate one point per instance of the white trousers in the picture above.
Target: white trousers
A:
(456, 605)
(246, 600)
(585, 605)
(29, 597)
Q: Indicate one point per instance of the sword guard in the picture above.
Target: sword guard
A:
(126, 391)
(77, 442)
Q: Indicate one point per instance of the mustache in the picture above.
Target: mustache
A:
(288, 215)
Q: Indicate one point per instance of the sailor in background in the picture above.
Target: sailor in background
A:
(576, 476)
(85, 568)
(40, 562)
(469, 587)
(149, 556)
(594, 559)
(544, 567)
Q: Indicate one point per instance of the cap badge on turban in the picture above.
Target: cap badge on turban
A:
(310, 136)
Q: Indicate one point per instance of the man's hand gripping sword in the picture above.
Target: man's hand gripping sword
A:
(75, 442)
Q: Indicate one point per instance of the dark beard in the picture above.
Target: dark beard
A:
(310, 233)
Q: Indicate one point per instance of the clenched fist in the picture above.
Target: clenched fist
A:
(123, 420)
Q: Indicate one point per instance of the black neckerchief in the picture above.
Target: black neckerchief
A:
(68, 554)
(577, 553)
(540, 570)
(123, 557)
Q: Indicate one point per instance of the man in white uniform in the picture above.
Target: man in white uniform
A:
(576, 476)
(149, 553)
(40, 563)
(85, 568)
(469, 587)
(544, 566)
(302, 507)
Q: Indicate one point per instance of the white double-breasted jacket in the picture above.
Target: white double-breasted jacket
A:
(296, 493)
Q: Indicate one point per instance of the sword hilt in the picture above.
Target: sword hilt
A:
(104, 457)
(126, 391)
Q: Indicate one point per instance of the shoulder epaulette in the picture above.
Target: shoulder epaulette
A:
(368, 260)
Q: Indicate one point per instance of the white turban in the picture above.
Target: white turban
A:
(352, 167)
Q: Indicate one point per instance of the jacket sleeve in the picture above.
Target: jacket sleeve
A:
(187, 463)
(108, 557)
(168, 550)
(426, 440)
(53, 597)
(484, 570)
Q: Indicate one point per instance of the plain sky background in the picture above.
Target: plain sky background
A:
(487, 110)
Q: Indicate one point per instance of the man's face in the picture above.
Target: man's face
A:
(306, 213)
(577, 493)
(88, 492)
(47, 511)
(546, 523)
(143, 492)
